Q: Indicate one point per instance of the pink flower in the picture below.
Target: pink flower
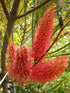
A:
(43, 34)
(45, 72)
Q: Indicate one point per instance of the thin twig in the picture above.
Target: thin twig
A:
(27, 37)
(58, 84)
(60, 48)
(24, 24)
(8, 3)
(60, 55)
(33, 19)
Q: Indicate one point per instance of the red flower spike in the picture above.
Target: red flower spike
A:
(11, 60)
(23, 65)
(45, 72)
(43, 34)
(18, 62)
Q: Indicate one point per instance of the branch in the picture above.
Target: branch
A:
(54, 40)
(6, 38)
(15, 7)
(32, 10)
(5, 9)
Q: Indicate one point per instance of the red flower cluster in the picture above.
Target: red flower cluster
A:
(20, 60)
(43, 34)
(45, 72)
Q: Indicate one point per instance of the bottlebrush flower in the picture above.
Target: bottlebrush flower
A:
(18, 62)
(43, 34)
(11, 60)
(45, 72)
(23, 65)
